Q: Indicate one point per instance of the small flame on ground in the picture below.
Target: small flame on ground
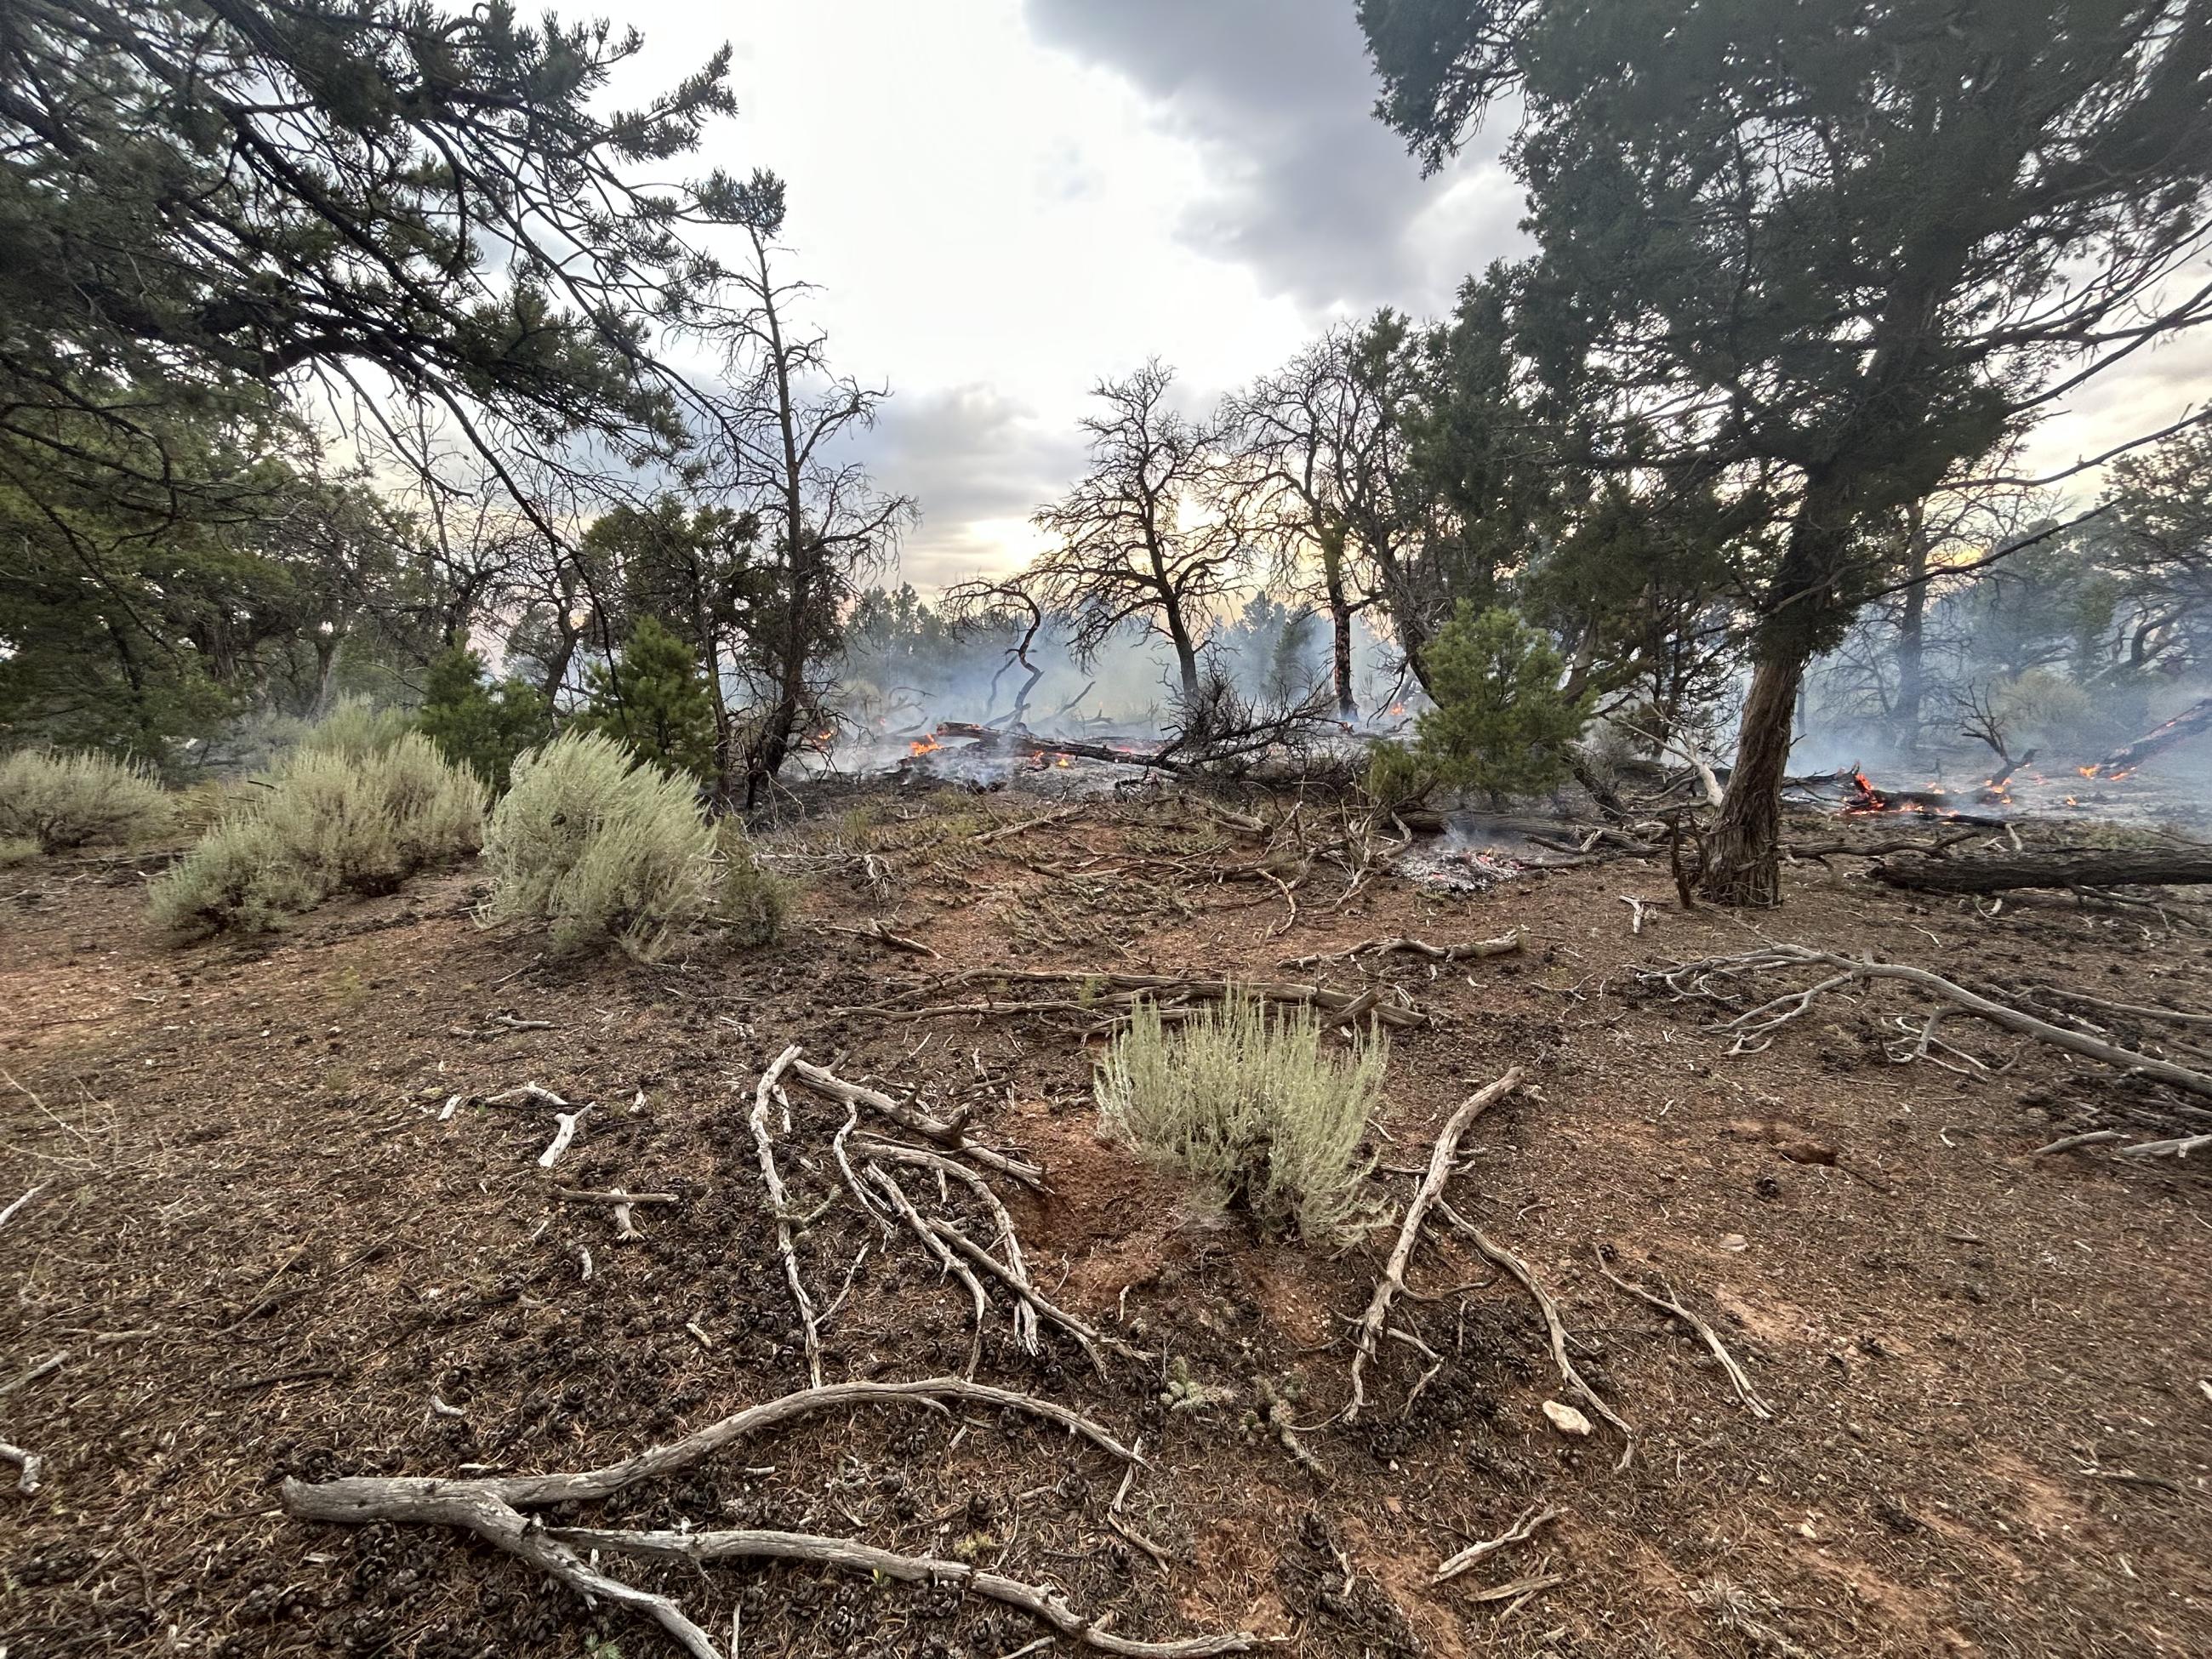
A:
(924, 747)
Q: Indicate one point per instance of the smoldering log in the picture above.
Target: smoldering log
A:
(2066, 868)
(1025, 744)
(2191, 721)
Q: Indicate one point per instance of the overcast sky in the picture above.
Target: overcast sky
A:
(1000, 201)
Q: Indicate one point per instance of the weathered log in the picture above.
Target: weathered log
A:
(2128, 756)
(2072, 866)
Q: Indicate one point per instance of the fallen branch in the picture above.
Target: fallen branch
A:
(1382, 947)
(564, 1131)
(875, 929)
(903, 1207)
(1523, 1528)
(2179, 1147)
(7, 1214)
(1040, 1600)
(31, 1464)
(1025, 1330)
(1754, 1028)
(908, 1116)
(613, 1195)
(1087, 1337)
(779, 1206)
(1667, 1304)
(1107, 989)
(2069, 1143)
(1431, 1187)
(492, 1509)
(1558, 1332)
(2076, 866)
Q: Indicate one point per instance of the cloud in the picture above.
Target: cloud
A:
(1305, 187)
(978, 463)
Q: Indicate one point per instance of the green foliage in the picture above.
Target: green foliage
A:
(475, 724)
(653, 702)
(1241, 1097)
(1396, 776)
(334, 821)
(16, 849)
(754, 899)
(1501, 722)
(62, 800)
(598, 847)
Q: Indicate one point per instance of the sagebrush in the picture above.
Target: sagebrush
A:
(599, 848)
(332, 820)
(64, 800)
(1241, 1096)
(751, 899)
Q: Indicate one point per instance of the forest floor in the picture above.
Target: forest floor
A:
(262, 1247)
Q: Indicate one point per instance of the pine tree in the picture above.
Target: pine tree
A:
(654, 701)
(1501, 722)
(477, 724)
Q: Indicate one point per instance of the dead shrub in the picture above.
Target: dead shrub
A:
(66, 799)
(1241, 1097)
(334, 820)
(598, 847)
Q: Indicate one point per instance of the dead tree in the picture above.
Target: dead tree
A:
(982, 604)
(1142, 536)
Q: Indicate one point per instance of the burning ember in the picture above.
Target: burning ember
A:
(1866, 800)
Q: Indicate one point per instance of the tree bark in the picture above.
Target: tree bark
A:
(1911, 630)
(1742, 854)
(773, 742)
(1339, 622)
(2086, 866)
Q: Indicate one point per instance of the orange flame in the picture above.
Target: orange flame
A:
(1063, 761)
(923, 746)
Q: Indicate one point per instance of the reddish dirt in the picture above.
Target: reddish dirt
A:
(263, 1252)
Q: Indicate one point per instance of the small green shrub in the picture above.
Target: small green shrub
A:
(1396, 777)
(332, 821)
(655, 701)
(751, 897)
(600, 848)
(16, 849)
(65, 799)
(1502, 723)
(1241, 1097)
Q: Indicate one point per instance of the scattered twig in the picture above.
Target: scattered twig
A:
(1514, 1587)
(2179, 1147)
(1667, 1303)
(1573, 1378)
(779, 1202)
(50, 1364)
(938, 1247)
(1523, 1528)
(1426, 1193)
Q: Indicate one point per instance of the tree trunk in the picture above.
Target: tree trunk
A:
(772, 744)
(1339, 622)
(1912, 627)
(1742, 855)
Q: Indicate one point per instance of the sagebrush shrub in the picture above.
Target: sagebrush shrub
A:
(599, 848)
(1241, 1096)
(752, 898)
(333, 820)
(65, 799)
(357, 728)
